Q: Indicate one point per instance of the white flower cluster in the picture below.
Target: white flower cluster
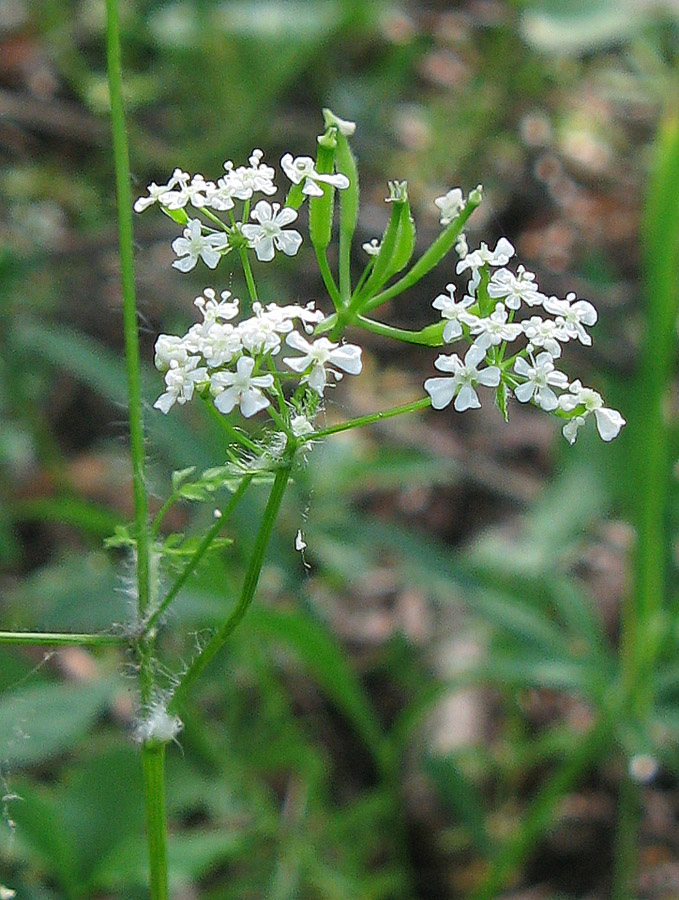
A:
(484, 317)
(234, 362)
(239, 184)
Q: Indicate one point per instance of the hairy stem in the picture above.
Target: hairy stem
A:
(247, 591)
(153, 768)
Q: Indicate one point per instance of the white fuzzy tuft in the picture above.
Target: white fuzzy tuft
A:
(158, 725)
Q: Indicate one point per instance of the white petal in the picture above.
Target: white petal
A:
(521, 367)
(264, 249)
(452, 331)
(348, 358)
(311, 189)
(467, 399)
(251, 402)
(441, 391)
(288, 241)
(186, 263)
(226, 401)
(285, 216)
(210, 257)
(608, 422)
(165, 402)
(297, 342)
(489, 377)
(524, 392)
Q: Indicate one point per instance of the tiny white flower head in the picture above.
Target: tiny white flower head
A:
(514, 290)
(500, 256)
(461, 245)
(545, 333)
(302, 168)
(320, 354)
(158, 192)
(540, 377)
(372, 247)
(456, 313)
(6, 893)
(169, 347)
(573, 314)
(245, 181)
(180, 382)
(213, 310)
(608, 421)
(194, 244)
(241, 388)
(494, 329)
(465, 377)
(269, 232)
(450, 205)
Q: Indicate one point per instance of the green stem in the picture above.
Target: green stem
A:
(152, 760)
(249, 279)
(153, 768)
(422, 403)
(247, 591)
(626, 852)
(132, 356)
(430, 258)
(431, 336)
(200, 552)
(328, 280)
(234, 433)
(47, 637)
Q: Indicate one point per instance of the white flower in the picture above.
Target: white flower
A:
(301, 168)
(195, 244)
(196, 193)
(270, 232)
(450, 205)
(461, 245)
(157, 192)
(180, 381)
(573, 314)
(545, 333)
(169, 347)
(240, 387)
(456, 313)
(608, 421)
(541, 377)
(320, 354)
(500, 256)
(245, 181)
(344, 126)
(214, 310)
(465, 378)
(515, 289)
(372, 247)
(494, 329)
(221, 343)
(300, 425)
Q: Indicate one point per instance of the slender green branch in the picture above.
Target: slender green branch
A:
(234, 433)
(431, 336)
(247, 592)
(47, 637)
(249, 278)
(328, 279)
(153, 768)
(200, 552)
(132, 356)
(422, 403)
(430, 258)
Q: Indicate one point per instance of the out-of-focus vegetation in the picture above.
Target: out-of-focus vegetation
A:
(447, 650)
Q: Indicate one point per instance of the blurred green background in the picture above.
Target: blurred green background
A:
(382, 721)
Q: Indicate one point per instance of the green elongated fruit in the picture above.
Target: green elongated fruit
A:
(321, 208)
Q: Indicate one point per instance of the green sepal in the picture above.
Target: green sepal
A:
(501, 395)
(177, 215)
(295, 197)
(121, 537)
(405, 241)
(180, 476)
(321, 208)
(396, 248)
